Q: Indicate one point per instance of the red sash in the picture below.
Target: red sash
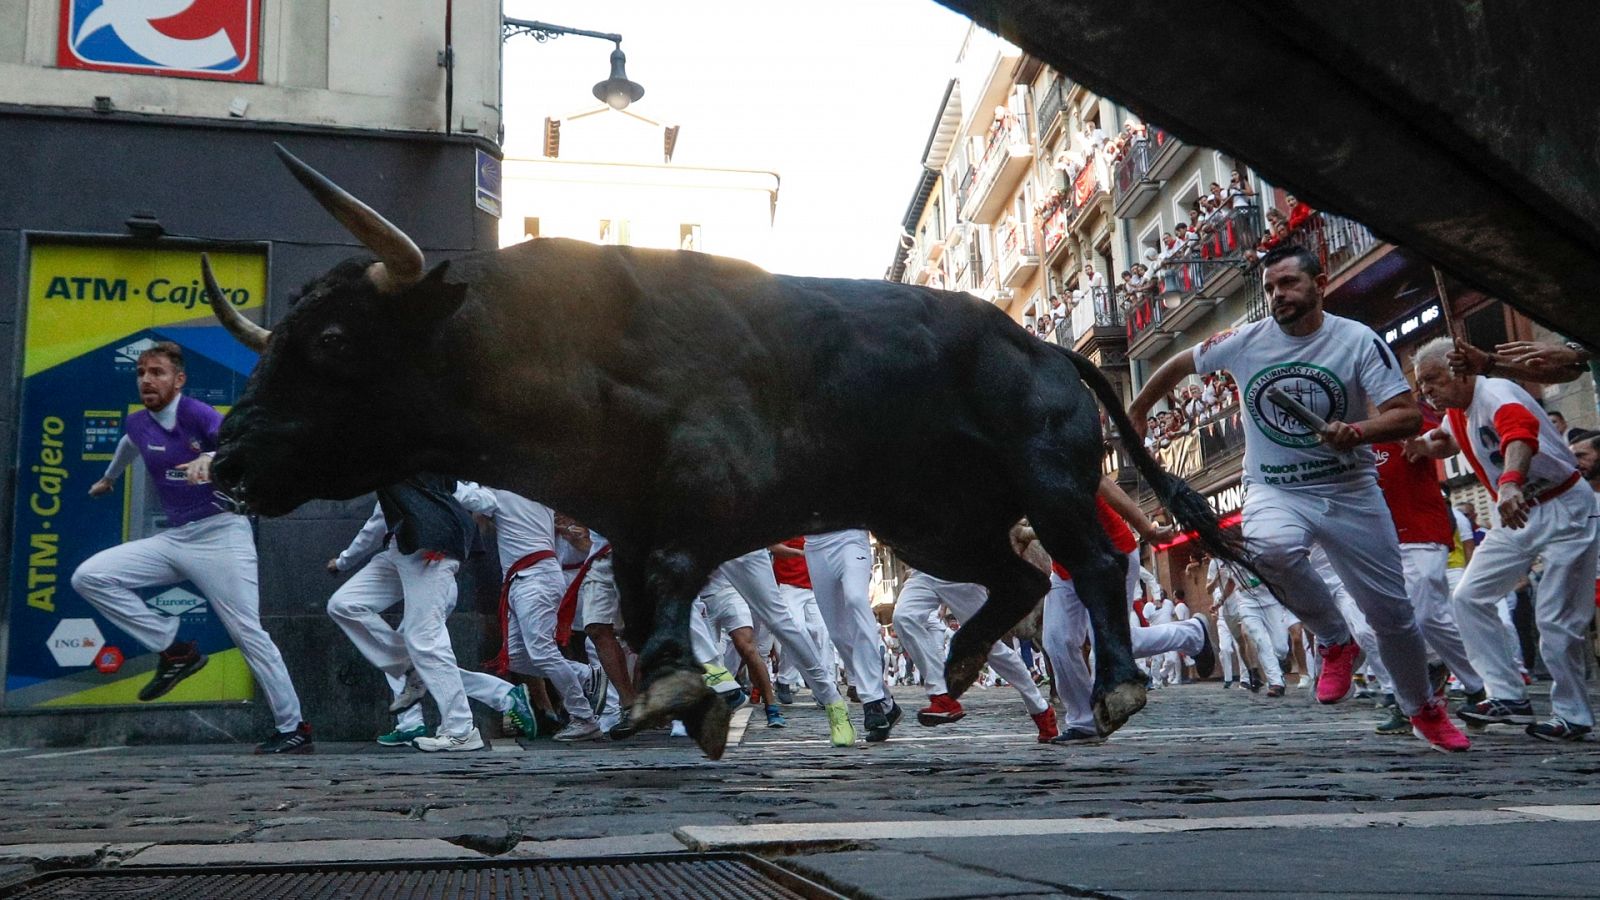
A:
(501, 663)
(569, 601)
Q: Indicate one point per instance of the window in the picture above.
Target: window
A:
(530, 227)
(614, 231)
(689, 237)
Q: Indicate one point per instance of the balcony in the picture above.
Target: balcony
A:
(1050, 109)
(1087, 188)
(1006, 158)
(1099, 328)
(1053, 228)
(1212, 443)
(1019, 258)
(1213, 270)
(1337, 241)
(1167, 154)
(1135, 188)
(1148, 333)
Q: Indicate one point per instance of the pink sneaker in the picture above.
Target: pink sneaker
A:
(1432, 724)
(1338, 667)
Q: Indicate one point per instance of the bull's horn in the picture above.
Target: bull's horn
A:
(400, 262)
(248, 333)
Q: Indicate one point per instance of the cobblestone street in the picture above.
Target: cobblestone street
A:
(1208, 790)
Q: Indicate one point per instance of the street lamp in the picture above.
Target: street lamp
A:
(617, 91)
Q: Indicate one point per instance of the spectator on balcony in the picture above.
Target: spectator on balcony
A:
(1058, 312)
(1277, 232)
(1188, 239)
(1094, 281)
(1140, 285)
(1217, 197)
(1239, 192)
(1298, 212)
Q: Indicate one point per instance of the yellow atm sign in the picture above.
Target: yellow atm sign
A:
(80, 296)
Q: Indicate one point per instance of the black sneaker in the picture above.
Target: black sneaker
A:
(1205, 662)
(850, 692)
(1497, 712)
(879, 717)
(1438, 678)
(173, 668)
(784, 692)
(1398, 722)
(296, 741)
(1078, 736)
(1556, 729)
(1254, 682)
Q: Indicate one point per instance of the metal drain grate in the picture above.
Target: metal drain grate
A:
(706, 876)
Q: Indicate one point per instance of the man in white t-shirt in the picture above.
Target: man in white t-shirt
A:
(1545, 511)
(1305, 486)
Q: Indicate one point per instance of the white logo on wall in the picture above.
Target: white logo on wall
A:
(175, 601)
(128, 354)
(75, 642)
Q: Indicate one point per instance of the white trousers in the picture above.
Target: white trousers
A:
(803, 606)
(1353, 525)
(840, 563)
(1429, 589)
(751, 575)
(423, 640)
(218, 555)
(1066, 627)
(530, 636)
(1249, 612)
(919, 598)
(1229, 659)
(1563, 531)
(480, 686)
(1354, 619)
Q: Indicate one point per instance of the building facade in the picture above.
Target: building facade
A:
(132, 145)
(608, 177)
(1113, 237)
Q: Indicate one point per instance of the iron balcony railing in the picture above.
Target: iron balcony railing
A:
(1133, 166)
(1337, 241)
(1050, 106)
(1099, 308)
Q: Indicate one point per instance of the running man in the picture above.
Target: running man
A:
(176, 436)
(1305, 486)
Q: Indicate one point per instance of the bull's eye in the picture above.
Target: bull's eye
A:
(332, 342)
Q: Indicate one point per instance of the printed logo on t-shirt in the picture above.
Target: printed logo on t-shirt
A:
(1217, 338)
(1317, 388)
(1489, 442)
(1382, 456)
(177, 475)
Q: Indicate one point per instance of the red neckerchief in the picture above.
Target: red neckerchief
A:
(569, 601)
(500, 664)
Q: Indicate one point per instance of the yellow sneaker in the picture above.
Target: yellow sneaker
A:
(840, 731)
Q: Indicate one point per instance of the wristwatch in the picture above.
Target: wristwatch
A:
(1583, 352)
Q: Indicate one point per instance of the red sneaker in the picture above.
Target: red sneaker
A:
(941, 710)
(1432, 724)
(1338, 668)
(1047, 725)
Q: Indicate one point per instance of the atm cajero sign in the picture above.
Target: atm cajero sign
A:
(158, 289)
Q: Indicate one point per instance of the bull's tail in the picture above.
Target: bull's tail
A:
(1187, 507)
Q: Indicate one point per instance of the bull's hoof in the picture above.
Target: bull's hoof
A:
(1115, 707)
(707, 723)
(666, 698)
(962, 673)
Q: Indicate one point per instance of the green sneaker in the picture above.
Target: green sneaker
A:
(840, 732)
(719, 679)
(402, 737)
(521, 712)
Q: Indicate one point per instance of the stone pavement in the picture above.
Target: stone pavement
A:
(1208, 791)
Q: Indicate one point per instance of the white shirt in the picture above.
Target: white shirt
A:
(522, 526)
(1553, 463)
(1338, 372)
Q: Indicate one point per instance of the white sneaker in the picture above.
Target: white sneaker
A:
(579, 730)
(450, 743)
(411, 694)
(678, 730)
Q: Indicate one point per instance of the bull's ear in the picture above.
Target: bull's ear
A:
(432, 300)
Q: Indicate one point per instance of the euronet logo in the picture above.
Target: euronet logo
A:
(175, 601)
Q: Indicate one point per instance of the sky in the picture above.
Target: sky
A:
(836, 96)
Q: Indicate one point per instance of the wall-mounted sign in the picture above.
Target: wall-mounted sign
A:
(91, 310)
(488, 184)
(217, 39)
(1413, 322)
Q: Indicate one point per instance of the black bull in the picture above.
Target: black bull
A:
(692, 408)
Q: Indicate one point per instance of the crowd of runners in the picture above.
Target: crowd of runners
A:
(1364, 578)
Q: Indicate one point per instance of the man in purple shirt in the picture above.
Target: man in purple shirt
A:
(203, 543)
